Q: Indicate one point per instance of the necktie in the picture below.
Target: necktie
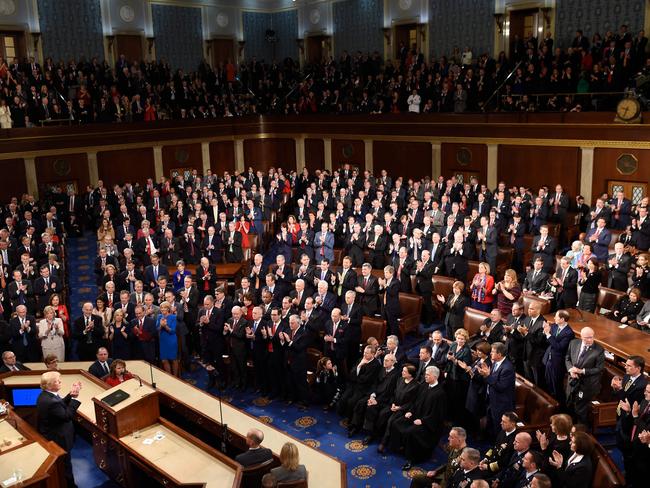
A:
(105, 368)
(582, 354)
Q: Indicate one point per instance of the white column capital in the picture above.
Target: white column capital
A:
(492, 165)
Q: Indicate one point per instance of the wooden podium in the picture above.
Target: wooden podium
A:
(141, 409)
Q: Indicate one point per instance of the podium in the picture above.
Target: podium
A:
(141, 409)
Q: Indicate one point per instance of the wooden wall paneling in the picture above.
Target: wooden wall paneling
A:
(14, 181)
(222, 157)
(62, 169)
(222, 50)
(129, 45)
(348, 151)
(464, 158)
(536, 166)
(408, 159)
(132, 165)
(314, 154)
(265, 153)
(605, 168)
(182, 156)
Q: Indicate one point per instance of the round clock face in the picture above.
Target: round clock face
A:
(127, 14)
(222, 19)
(314, 16)
(627, 109)
(7, 7)
(405, 4)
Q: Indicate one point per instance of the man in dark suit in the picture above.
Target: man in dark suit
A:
(153, 271)
(500, 379)
(9, 363)
(232, 245)
(559, 335)
(535, 344)
(240, 333)
(336, 346)
(352, 313)
(24, 334)
(627, 391)
(544, 247)
(439, 349)
(497, 457)
(143, 328)
(618, 266)
(599, 238)
(638, 423)
(210, 323)
(56, 415)
(565, 282)
(206, 278)
(102, 366)
(403, 265)
(21, 292)
(360, 380)
(487, 238)
(256, 454)
(424, 270)
(585, 361)
(558, 203)
(45, 286)
(419, 430)
(425, 361)
(88, 331)
(509, 476)
(325, 300)
(295, 343)
(621, 209)
(536, 280)
(368, 290)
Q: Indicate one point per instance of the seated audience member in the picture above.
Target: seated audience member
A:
(468, 472)
(456, 443)
(498, 456)
(419, 430)
(643, 317)
(326, 385)
(536, 281)
(627, 308)
(9, 363)
(102, 365)
(118, 373)
(405, 391)
(51, 362)
(256, 454)
(290, 468)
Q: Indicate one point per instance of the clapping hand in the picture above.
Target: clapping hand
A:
(625, 405)
(556, 460)
(76, 388)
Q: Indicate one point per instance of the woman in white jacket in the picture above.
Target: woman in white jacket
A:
(50, 332)
(5, 115)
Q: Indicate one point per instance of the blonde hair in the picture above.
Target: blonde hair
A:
(513, 276)
(486, 266)
(463, 333)
(47, 379)
(49, 309)
(289, 456)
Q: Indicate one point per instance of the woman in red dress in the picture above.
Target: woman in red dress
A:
(61, 312)
(244, 227)
(118, 373)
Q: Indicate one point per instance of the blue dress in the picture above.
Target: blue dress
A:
(168, 340)
(179, 280)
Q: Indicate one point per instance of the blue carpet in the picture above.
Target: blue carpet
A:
(323, 430)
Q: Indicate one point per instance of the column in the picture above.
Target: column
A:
(327, 151)
(239, 155)
(30, 174)
(158, 162)
(367, 148)
(300, 154)
(492, 164)
(205, 157)
(436, 160)
(586, 172)
(93, 169)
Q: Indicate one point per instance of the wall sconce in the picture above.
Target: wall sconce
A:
(546, 12)
(151, 41)
(241, 46)
(498, 18)
(36, 37)
(301, 45)
(423, 31)
(387, 34)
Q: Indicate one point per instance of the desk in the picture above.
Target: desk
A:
(623, 343)
(39, 461)
(181, 459)
(203, 408)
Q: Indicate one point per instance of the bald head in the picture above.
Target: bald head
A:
(587, 336)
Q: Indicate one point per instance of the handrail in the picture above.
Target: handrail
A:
(563, 94)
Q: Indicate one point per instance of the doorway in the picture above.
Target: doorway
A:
(12, 45)
(317, 48)
(130, 46)
(223, 50)
(406, 36)
(634, 190)
(524, 24)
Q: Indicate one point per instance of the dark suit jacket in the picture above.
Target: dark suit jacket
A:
(55, 418)
(456, 313)
(368, 299)
(577, 475)
(538, 284)
(254, 456)
(593, 362)
(391, 307)
(19, 365)
(501, 388)
(339, 348)
(96, 369)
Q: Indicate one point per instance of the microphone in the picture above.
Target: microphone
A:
(153, 383)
